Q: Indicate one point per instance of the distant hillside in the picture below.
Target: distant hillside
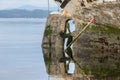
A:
(22, 13)
(30, 7)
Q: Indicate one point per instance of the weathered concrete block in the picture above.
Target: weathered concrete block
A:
(97, 50)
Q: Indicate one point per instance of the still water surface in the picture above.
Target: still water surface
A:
(21, 55)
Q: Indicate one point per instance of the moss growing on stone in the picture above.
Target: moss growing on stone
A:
(100, 57)
(103, 28)
(101, 72)
(47, 59)
(48, 30)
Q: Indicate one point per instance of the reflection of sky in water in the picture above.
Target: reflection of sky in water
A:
(72, 28)
(20, 50)
(71, 64)
(72, 25)
(71, 68)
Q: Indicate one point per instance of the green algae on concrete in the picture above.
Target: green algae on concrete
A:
(103, 28)
(98, 51)
(48, 30)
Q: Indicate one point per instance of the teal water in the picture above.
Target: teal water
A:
(21, 55)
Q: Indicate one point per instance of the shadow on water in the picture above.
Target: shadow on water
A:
(72, 64)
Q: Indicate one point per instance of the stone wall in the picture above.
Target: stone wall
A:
(53, 43)
(98, 49)
(96, 52)
(107, 13)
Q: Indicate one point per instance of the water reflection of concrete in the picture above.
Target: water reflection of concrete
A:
(96, 54)
(56, 61)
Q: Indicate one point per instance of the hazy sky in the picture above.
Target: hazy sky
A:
(7, 4)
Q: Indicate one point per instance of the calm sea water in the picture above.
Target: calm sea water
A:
(21, 55)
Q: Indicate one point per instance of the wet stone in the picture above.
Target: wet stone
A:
(95, 54)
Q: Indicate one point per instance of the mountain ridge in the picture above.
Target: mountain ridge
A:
(23, 13)
(31, 7)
